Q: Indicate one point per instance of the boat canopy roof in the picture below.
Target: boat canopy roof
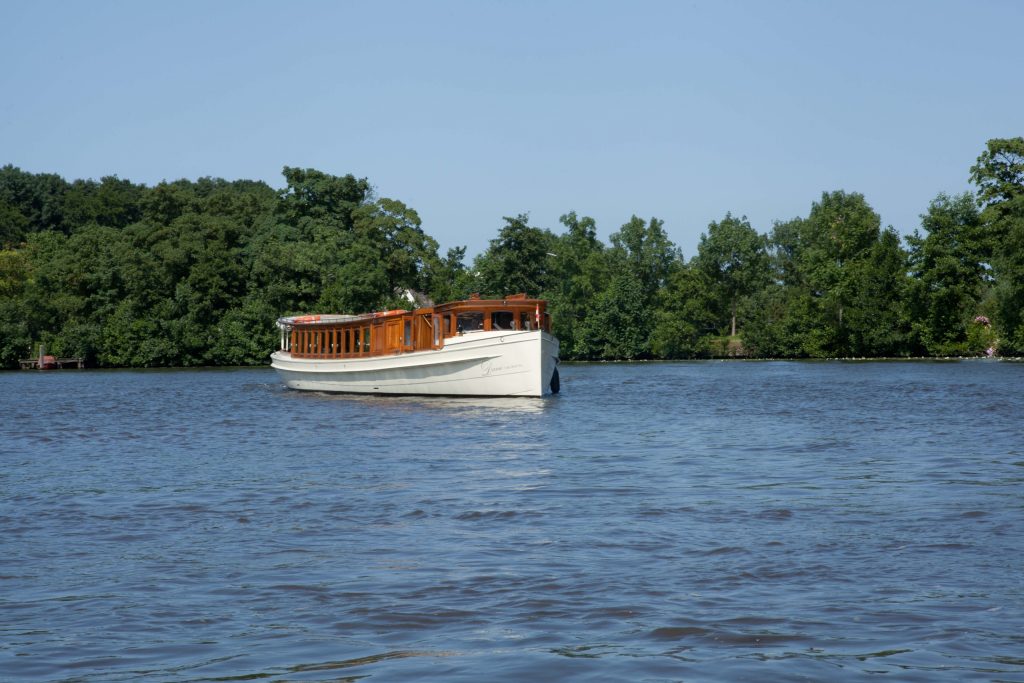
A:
(474, 301)
(333, 318)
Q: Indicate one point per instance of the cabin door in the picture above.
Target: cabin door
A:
(393, 335)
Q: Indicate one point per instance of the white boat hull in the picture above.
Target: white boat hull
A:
(498, 363)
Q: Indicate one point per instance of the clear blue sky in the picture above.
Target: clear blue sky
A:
(470, 111)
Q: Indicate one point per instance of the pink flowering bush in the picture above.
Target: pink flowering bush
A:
(981, 338)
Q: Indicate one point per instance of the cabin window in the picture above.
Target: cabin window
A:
(525, 321)
(366, 340)
(407, 333)
(437, 331)
(502, 320)
(470, 321)
(448, 325)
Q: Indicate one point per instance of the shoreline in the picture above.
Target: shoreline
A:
(839, 359)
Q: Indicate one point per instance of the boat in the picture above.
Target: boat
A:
(473, 347)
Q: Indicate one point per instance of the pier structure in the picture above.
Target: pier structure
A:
(47, 362)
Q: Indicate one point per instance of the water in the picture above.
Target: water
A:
(660, 522)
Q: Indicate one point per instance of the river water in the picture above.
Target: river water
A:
(781, 521)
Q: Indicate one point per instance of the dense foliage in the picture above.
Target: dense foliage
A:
(195, 273)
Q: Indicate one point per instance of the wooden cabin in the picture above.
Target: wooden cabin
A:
(395, 332)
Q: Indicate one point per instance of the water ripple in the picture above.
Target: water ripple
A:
(657, 522)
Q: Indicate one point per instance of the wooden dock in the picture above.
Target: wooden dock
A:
(45, 362)
(51, 363)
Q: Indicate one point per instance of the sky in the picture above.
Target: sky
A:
(471, 111)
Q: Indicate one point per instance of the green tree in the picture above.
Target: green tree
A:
(13, 225)
(37, 198)
(285, 269)
(518, 260)
(949, 274)
(314, 256)
(112, 203)
(353, 278)
(839, 280)
(734, 257)
(76, 282)
(999, 175)
(830, 245)
(165, 202)
(685, 318)
(618, 326)
(15, 331)
(878, 322)
(579, 272)
(246, 333)
(405, 251)
(312, 196)
(619, 323)
(647, 252)
(781, 323)
(446, 276)
(839, 232)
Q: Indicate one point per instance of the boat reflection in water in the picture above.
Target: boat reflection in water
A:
(464, 406)
(475, 347)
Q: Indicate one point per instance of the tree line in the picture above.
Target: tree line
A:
(189, 273)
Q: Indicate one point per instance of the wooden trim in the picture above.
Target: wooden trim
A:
(386, 333)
